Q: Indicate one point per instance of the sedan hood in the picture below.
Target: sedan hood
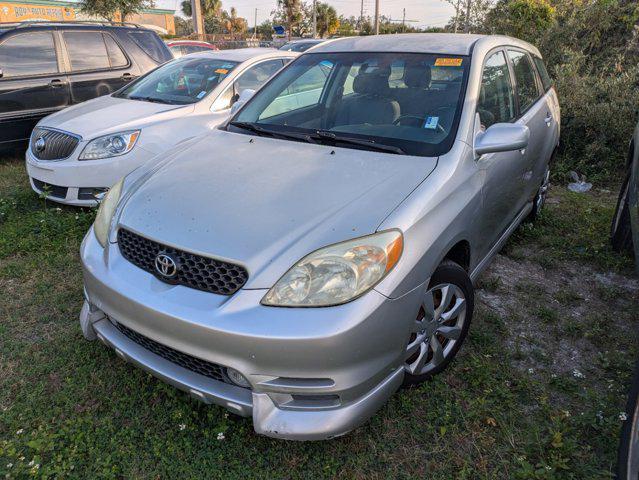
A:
(266, 203)
(109, 114)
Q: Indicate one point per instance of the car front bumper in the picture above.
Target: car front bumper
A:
(315, 373)
(67, 177)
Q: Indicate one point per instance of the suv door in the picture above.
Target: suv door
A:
(533, 111)
(501, 171)
(31, 85)
(96, 64)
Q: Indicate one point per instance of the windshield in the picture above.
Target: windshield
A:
(400, 102)
(298, 46)
(183, 81)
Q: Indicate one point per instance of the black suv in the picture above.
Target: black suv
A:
(45, 67)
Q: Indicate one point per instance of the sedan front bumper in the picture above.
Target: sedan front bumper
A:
(314, 373)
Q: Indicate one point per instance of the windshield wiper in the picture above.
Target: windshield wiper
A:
(370, 144)
(253, 127)
(149, 99)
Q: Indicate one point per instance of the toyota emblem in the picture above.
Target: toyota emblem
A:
(40, 144)
(166, 266)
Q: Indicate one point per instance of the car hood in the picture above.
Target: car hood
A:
(109, 114)
(266, 203)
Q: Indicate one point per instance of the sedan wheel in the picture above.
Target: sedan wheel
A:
(441, 324)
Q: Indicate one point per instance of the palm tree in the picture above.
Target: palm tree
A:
(292, 12)
(232, 23)
(210, 8)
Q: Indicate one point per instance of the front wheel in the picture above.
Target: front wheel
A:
(441, 324)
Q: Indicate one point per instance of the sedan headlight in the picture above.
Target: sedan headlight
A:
(339, 273)
(105, 213)
(110, 145)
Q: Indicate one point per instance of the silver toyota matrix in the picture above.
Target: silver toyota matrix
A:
(318, 251)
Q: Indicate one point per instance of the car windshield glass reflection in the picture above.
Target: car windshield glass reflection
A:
(399, 103)
(183, 81)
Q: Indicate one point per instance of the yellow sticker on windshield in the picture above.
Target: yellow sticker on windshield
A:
(223, 71)
(448, 62)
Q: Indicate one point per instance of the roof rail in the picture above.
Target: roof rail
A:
(29, 23)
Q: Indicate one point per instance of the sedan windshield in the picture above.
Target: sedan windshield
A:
(183, 81)
(394, 102)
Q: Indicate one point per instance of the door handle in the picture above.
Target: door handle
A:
(548, 119)
(126, 76)
(56, 83)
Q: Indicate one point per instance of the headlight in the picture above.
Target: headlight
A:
(105, 213)
(339, 273)
(110, 145)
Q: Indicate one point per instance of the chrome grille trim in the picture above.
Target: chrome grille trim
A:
(59, 144)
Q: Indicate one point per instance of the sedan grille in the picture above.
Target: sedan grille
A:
(49, 144)
(195, 271)
(194, 364)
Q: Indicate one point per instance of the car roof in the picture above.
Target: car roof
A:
(243, 54)
(438, 43)
(187, 42)
(68, 25)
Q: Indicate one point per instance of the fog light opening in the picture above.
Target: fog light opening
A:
(237, 378)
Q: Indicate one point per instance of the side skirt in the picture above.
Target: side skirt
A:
(481, 266)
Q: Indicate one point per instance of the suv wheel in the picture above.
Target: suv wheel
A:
(441, 325)
(620, 232)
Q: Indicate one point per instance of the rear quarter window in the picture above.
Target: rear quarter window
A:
(543, 73)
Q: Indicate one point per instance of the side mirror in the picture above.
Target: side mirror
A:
(244, 97)
(1, 73)
(502, 137)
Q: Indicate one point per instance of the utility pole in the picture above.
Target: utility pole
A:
(198, 21)
(376, 17)
(361, 17)
(468, 3)
(404, 21)
(314, 18)
(255, 27)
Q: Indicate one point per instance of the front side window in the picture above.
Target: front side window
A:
(183, 81)
(496, 98)
(28, 54)
(257, 75)
(379, 101)
(527, 91)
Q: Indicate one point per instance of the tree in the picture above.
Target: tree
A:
(183, 28)
(210, 8)
(109, 9)
(291, 12)
(327, 20)
(525, 19)
(232, 23)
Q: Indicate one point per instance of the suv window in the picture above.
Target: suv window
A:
(543, 73)
(86, 50)
(150, 43)
(496, 97)
(527, 91)
(254, 77)
(116, 55)
(28, 54)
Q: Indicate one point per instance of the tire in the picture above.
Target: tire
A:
(449, 334)
(628, 456)
(620, 231)
(540, 198)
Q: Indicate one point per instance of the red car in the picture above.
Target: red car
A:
(184, 47)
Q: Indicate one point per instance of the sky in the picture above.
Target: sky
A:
(431, 13)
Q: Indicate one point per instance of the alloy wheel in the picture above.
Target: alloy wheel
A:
(436, 329)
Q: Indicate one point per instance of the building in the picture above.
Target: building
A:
(52, 10)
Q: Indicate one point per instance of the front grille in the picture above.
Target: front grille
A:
(197, 365)
(57, 145)
(49, 190)
(195, 271)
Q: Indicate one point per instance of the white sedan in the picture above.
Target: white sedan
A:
(81, 151)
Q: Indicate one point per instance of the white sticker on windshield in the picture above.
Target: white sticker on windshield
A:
(431, 123)
(201, 94)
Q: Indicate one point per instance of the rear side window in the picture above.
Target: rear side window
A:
(116, 55)
(86, 50)
(28, 54)
(257, 75)
(527, 91)
(543, 73)
(150, 43)
(496, 98)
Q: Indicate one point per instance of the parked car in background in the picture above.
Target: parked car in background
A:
(45, 67)
(624, 232)
(180, 48)
(80, 152)
(301, 262)
(301, 45)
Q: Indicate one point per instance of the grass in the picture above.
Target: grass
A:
(72, 409)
